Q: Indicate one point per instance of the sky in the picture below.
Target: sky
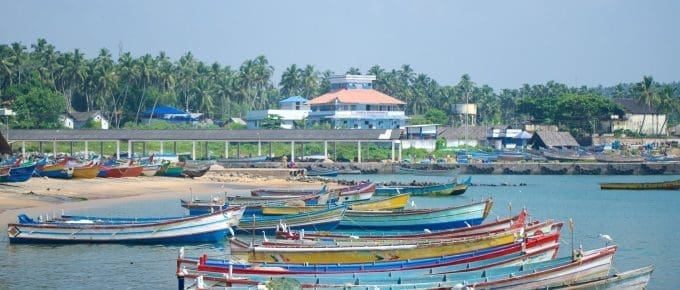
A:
(503, 44)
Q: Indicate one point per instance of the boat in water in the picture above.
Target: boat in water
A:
(664, 185)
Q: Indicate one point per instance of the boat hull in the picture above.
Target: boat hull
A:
(86, 172)
(321, 220)
(19, 174)
(666, 185)
(432, 219)
(205, 228)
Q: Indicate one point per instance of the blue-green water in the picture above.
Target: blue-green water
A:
(642, 223)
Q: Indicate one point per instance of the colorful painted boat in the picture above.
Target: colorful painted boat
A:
(496, 226)
(87, 171)
(150, 170)
(326, 219)
(537, 248)
(260, 158)
(268, 192)
(442, 189)
(321, 172)
(390, 203)
(665, 185)
(366, 253)
(63, 173)
(256, 203)
(167, 169)
(204, 228)
(19, 173)
(538, 275)
(202, 206)
(427, 171)
(124, 171)
(633, 279)
(358, 192)
(418, 219)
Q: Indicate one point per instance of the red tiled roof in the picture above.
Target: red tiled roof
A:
(356, 96)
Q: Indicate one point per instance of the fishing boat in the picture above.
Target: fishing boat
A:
(418, 219)
(496, 226)
(269, 192)
(321, 172)
(19, 173)
(123, 171)
(55, 170)
(325, 219)
(74, 229)
(168, 169)
(535, 248)
(666, 185)
(633, 279)
(366, 252)
(539, 275)
(150, 169)
(259, 158)
(440, 189)
(202, 206)
(195, 172)
(389, 203)
(353, 193)
(86, 171)
(427, 171)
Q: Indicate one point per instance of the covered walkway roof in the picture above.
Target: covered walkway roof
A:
(206, 135)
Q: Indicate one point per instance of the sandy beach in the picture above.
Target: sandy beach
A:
(45, 195)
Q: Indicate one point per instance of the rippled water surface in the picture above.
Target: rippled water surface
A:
(642, 223)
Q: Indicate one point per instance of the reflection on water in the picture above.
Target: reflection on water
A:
(640, 222)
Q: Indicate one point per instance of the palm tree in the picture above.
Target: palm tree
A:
(667, 104)
(18, 59)
(146, 71)
(310, 81)
(646, 97)
(353, 71)
(291, 81)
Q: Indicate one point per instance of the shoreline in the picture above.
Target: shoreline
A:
(40, 195)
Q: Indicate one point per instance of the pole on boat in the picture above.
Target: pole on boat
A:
(253, 231)
(571, 229)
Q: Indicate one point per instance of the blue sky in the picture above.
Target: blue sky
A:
(500, 43)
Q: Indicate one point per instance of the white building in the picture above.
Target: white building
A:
(638, 118)
(292, 109)
(76, 120)
(352, 103)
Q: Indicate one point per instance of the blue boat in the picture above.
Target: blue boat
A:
(204, 228)
(19, 173)
(321, 172)
(418, 219)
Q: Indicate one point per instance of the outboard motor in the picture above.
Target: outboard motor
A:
(24, 219)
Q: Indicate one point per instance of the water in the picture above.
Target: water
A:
(642, 223)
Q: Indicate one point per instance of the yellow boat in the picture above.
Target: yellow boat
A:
(367, 253)
(388, 203)
(86, 171)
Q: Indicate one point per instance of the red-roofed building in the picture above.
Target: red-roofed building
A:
(354, 104)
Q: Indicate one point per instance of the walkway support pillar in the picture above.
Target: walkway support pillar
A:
(161, 149)
(359, 151)
(226, 149)
(392, 155)
(130, 149)
(117, 149)
(292, 151)
(193, 150)
(54, 148)
(325, 149)
(87, 151)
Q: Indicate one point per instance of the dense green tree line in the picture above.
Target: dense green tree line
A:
(122, 88)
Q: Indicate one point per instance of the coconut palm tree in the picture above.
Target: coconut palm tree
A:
(646, 97)
(291, 81)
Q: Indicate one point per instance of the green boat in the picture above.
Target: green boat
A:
(167, 169)
(441, 189)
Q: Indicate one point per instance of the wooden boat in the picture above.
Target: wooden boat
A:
(614, 158)
(427, 171)
(539, 275)
(490, 227)
(150, 170)
(124, 171)
(358, 192)
(442, 189)
(202, 206)
(195, 172)
(366, 253)
(269, 192)
(536, 248)
(390, 203)
(326, 219)
(19, 173)
(167, 169)
(260, 158)
(321, 172)
(63, 173)
(87, 171)
(418, 219)
(204, 228)
(568, 156)
(633, 279)
(669, 185)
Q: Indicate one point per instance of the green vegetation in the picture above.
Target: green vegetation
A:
(122, 88)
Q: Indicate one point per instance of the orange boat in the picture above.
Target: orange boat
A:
(124, 171)
(89, 171)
